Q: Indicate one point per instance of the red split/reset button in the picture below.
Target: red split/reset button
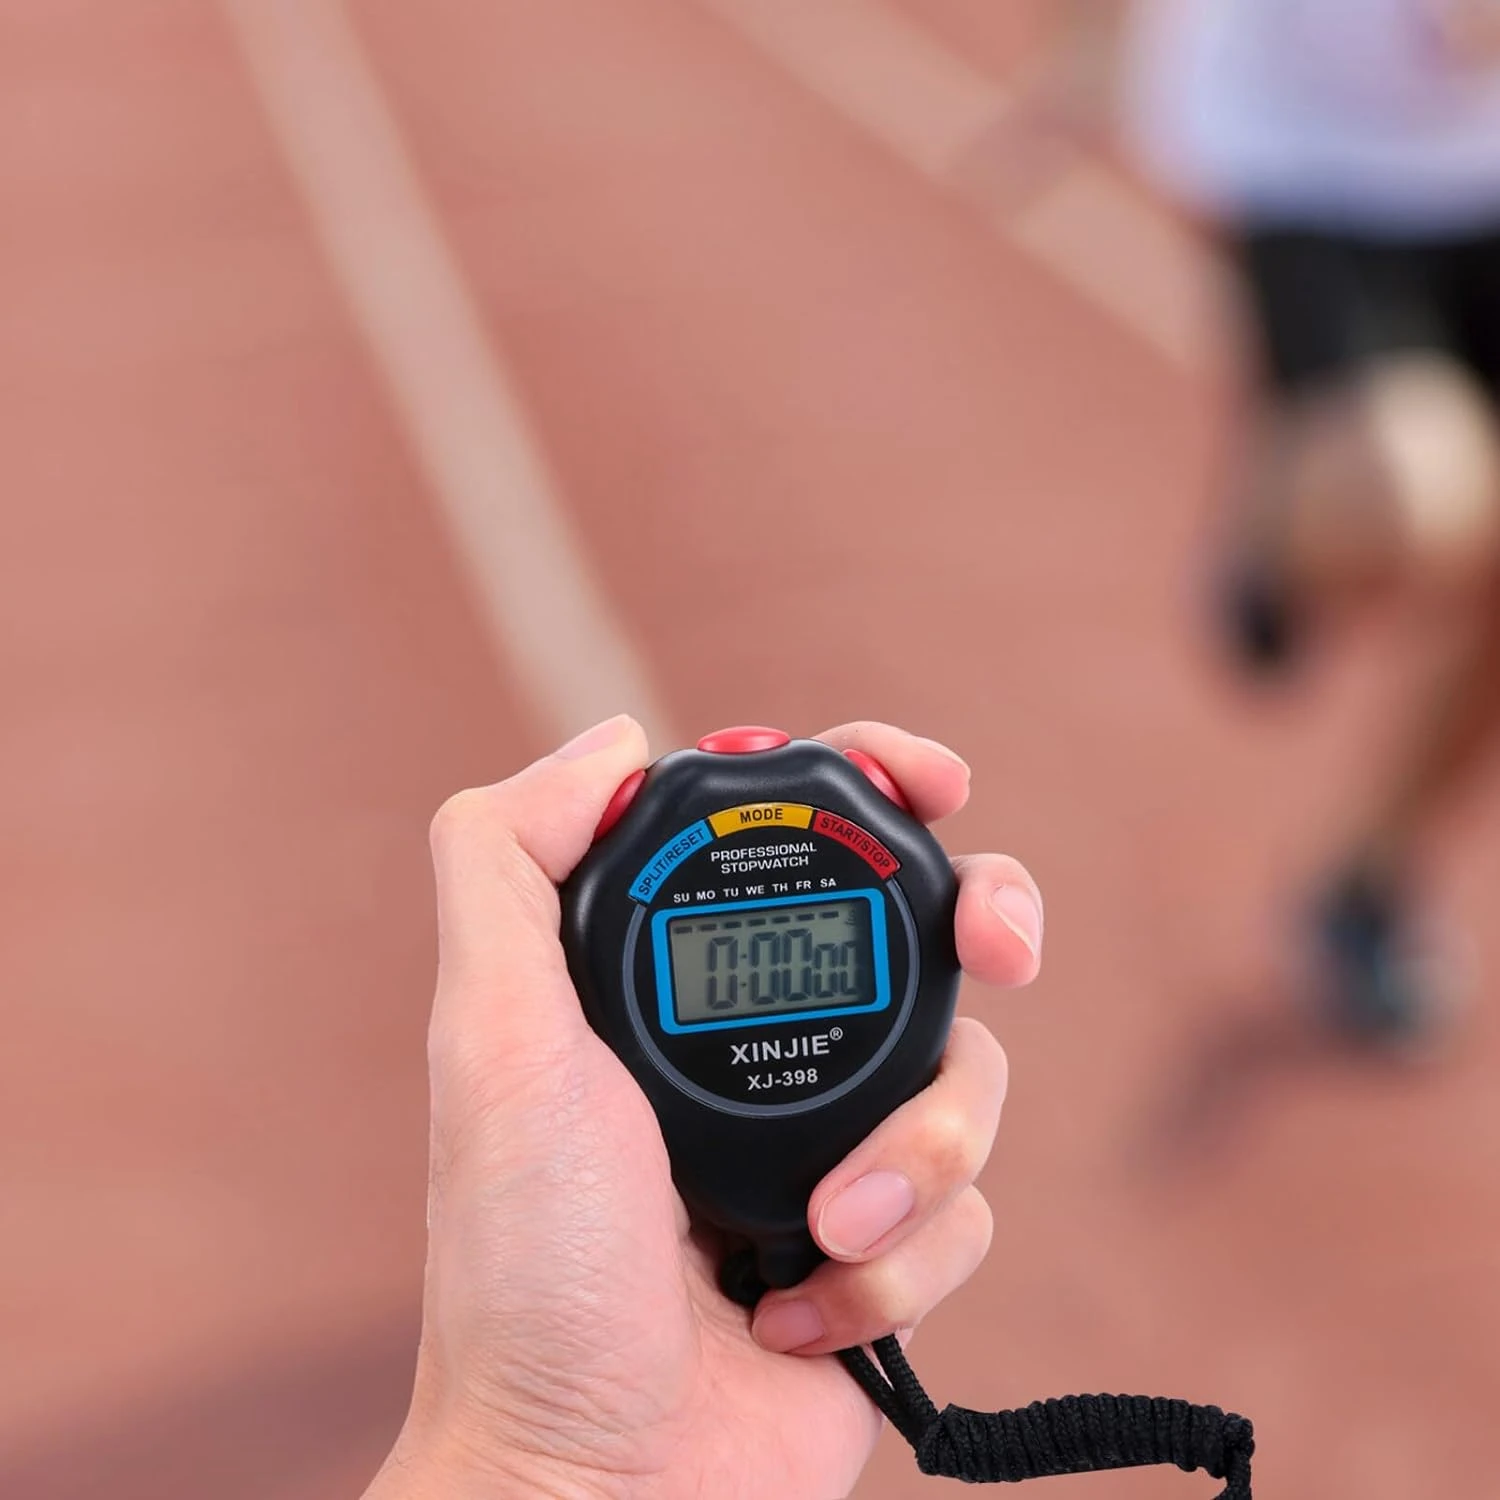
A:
(744, 738)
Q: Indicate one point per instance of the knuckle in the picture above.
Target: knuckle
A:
(970, 1035)
(948, 1145)
(883, 1296)
(455, 821)
(989, 1055)
(898, 1290)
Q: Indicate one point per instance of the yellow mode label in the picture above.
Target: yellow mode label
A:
(760, 815)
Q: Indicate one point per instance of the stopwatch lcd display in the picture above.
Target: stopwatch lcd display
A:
(757, 960)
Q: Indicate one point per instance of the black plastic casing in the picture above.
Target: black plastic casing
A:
(751, 1174)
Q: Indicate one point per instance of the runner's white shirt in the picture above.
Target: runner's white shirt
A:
(1351, 115)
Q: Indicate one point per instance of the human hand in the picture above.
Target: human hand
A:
(575, 1342)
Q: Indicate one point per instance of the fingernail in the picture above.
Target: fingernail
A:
(942, 749)
(855, 1218)
(1021, 912)
(600, 737)
(787, 1326)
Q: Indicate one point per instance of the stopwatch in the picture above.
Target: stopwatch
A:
(763, 934)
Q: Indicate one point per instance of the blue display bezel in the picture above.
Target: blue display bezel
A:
(662, 957)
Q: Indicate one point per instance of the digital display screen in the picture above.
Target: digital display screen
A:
(739, 964)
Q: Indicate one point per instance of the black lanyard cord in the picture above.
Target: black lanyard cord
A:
(1072, 1435)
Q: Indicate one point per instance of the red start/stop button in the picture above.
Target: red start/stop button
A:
(744, 738)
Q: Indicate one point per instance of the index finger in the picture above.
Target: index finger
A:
(934, 779)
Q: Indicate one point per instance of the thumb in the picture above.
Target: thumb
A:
(498, 854)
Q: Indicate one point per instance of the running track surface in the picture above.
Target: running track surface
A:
(833, 446)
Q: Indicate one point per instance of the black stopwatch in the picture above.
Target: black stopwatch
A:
(764, 936)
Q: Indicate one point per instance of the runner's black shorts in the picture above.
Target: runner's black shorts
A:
(1327, 305)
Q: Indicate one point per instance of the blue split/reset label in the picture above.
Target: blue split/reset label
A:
(672, 853)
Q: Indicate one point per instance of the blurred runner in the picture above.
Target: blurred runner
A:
(1347, 155)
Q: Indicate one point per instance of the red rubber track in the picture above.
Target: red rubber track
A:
(836, 449)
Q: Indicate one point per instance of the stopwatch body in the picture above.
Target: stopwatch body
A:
(765, 939)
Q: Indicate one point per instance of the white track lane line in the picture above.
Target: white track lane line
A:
(878, 69)
(547, 616)
(1107, 241)
(895, 81)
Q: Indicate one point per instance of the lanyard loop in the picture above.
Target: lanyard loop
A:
(1072, 1435)
(1069, 1435)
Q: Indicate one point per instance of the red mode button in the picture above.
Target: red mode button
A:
(744, 738)
(867, 846)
